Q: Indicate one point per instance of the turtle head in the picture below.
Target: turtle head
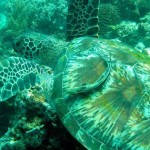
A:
(41, 48)
(27, 46)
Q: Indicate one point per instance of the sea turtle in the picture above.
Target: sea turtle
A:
(100, 88)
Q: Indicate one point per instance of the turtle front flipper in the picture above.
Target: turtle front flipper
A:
(18, 74)
(82, 19)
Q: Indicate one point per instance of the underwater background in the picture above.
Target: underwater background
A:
(26, 120)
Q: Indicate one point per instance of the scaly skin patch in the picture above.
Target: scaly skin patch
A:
(82, 19)
(18, 74)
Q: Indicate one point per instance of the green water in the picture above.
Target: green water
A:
(34, 51)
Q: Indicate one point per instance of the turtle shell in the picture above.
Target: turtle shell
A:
(102, 94)
(81, 68)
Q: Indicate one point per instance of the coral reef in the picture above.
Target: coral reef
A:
(127, 32)
(134, 33)
(108, 15)
(33, 124)
(134, 9)
(17, 18)
(130, 10)
(143, 6)
(48, 15)
(144, 29)
(43, 16)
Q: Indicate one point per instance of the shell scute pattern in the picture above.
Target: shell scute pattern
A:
(137, 128)
(142, 70)
(106, 116)
(119, 52)
(109, 113)
(87, 67)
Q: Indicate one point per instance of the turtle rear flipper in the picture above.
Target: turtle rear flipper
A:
(82, 19)
(18, 74)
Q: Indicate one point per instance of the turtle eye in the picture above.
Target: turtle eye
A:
(17, 46)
